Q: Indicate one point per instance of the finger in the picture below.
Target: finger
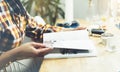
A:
(38, 45)
(44, 51)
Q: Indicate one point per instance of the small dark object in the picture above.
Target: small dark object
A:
(72, 51)
(60, 24)
(74, 24)
(97, 31)
(66, 25)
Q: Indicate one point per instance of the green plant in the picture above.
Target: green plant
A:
(49, 10)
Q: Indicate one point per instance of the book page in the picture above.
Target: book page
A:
(68, 35)
(74, 44)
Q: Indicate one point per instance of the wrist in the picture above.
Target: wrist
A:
(8, 57)
(13, 54)
(17, 54)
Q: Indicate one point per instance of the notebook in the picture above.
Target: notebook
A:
(69, 44)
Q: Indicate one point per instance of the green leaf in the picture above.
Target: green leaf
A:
(50, 10)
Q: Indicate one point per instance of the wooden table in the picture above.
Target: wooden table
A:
(103, 62)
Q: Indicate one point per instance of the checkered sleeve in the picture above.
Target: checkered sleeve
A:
(35, 30)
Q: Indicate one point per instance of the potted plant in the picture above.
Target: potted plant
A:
(49, 10)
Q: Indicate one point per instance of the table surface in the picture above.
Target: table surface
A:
(104, 62)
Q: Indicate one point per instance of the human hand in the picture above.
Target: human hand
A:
(32, 49)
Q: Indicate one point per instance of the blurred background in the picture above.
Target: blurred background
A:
(51, 10)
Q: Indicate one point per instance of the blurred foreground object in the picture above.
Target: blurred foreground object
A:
(74, 24)
(39, 20)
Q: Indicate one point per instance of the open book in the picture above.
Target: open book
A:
(69, 44)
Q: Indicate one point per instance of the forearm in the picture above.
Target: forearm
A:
(7, 57)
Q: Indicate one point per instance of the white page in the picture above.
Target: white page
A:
(74, 44)
(68, 35)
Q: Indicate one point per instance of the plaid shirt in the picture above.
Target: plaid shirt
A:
(11, 34)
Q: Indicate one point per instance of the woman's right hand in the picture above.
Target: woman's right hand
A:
(27, 50)
(32, 49)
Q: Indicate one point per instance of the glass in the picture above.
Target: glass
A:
(90, 10)
(108, 41)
